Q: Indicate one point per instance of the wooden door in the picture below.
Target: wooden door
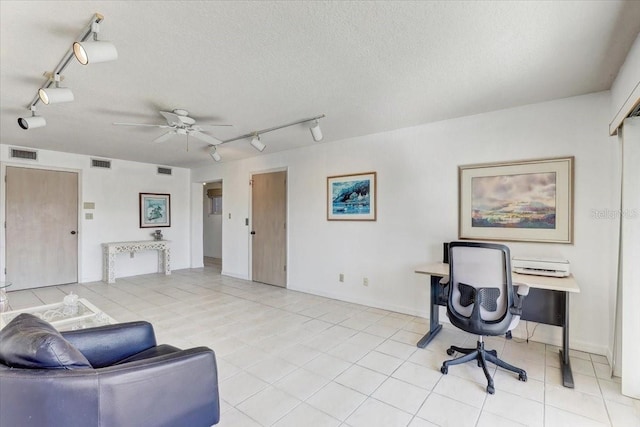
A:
(42, 226)
(268, 232)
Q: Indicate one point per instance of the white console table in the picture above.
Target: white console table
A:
(109, 251)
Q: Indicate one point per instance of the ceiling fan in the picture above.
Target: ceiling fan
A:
(179, 123)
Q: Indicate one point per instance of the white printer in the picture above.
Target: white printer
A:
(540, 267)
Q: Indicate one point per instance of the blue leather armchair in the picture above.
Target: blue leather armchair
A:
(131, 381)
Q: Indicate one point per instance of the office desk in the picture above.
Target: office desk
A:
(547, 302)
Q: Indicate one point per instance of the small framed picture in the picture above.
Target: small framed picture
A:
(155, 210)
(351, 197)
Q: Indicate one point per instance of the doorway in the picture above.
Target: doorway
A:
(41, 227)
(212, 225)
(268, 228)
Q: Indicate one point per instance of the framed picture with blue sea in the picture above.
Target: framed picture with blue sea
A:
(529, 201)
(155, 210)
(351, 197)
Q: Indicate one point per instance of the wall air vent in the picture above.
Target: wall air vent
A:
(164, 171)
(99, 163)
(24, 154)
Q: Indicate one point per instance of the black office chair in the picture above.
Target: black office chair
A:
(482, 301)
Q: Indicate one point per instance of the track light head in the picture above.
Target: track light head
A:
(94, 52)
(214, 154)
(32, 122)
(257, 144)
(55, 95)
(316, 132)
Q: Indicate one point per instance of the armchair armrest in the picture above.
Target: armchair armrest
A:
(175, 389)
(106, 345)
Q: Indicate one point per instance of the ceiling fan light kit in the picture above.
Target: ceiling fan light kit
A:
(86, 53)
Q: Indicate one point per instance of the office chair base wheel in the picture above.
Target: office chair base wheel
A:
(444, 370)
(450, 351)
(491, 389)
(523, 377)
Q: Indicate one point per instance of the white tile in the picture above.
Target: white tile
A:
(348, 352)
(462, 390)
(271, 369)
(306, 415)
(531, 389)
(268, 406)
(373, 412)
(328, 366)
(419, 422)
(554, 417)
(613, 391)
(528, 412)
(582, 366)
(380, 362)
(235, 418)
(397, 349)
(623, 415)
(337, 400)
(402, 395)
(361, 379)
(447, 412)
(298, 354)
(487, 419)
(417, 375)
(239, 387)
(302, 383)
(574, 401)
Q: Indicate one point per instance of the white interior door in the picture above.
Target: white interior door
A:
(42, 227)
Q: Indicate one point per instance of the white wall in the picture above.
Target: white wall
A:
(417, 207)
(115, 217)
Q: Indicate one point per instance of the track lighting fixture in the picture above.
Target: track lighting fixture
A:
(316, 132)
(55, 95)
(51, 92)
(257, 144)
(32, 122)
(94, 51)
(214, 154)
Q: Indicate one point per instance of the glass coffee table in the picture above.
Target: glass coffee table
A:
(71, 314)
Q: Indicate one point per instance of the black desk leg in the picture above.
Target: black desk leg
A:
(434, 314)
(565, 362)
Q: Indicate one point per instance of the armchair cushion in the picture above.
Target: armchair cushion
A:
(31, 343)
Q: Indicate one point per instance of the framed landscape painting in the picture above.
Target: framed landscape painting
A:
(351, 197)
(529, 201)
(155, 210)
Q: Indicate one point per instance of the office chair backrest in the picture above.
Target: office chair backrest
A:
(481, 291)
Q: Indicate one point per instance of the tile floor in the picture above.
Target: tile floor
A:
(287, 358)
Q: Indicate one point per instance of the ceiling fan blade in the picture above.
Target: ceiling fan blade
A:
(172, 118)
(141, 124)
(210, 126)
(206, 138)
(165, 136)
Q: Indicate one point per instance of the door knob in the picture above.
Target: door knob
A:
(73, 232)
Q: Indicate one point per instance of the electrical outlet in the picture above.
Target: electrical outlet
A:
(365, 281)
(341, 277)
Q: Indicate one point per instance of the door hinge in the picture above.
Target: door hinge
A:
(250, 182)
(285, 267)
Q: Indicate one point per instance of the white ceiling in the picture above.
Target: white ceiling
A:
(369, 66)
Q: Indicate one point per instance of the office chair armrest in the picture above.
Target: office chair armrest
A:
(444, 281)
(521, 293)
(523, 290)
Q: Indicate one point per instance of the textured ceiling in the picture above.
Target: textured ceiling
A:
(369, 66)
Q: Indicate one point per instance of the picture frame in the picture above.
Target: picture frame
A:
(352, 197)
(155, 210)
(528, 201)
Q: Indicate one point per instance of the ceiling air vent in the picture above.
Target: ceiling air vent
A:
(24, 154)
(164, 171)
(99, 163)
